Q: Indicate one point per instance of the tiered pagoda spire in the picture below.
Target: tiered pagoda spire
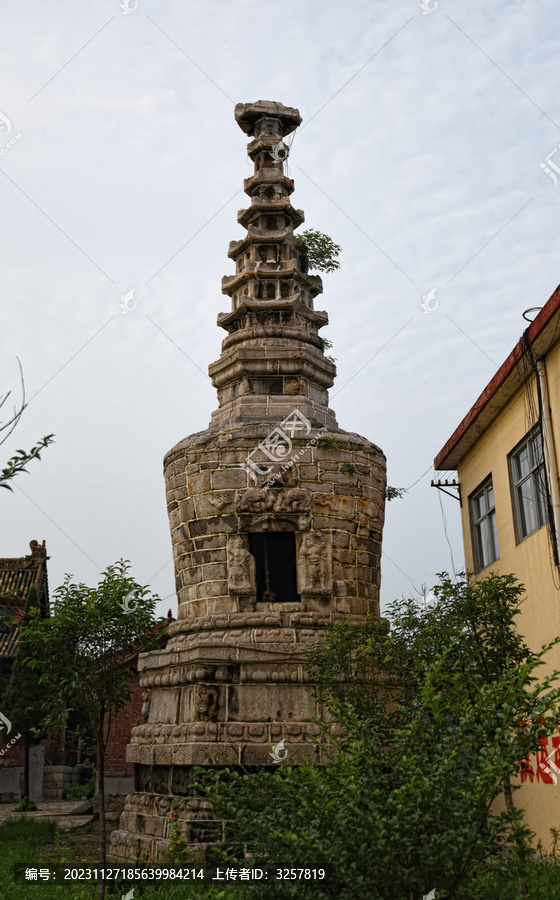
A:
(272, 359)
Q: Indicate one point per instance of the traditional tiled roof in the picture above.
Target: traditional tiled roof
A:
(17, 576)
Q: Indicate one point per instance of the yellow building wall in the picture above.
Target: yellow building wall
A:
(531, 561)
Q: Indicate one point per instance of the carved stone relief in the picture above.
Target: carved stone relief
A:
(145, 705)
(315, 563)
(324, 502)
(294, 500)
(276, 522)
(275, 510)
(257, 500)
(206, 704)
(181, 780)
(219, 499)
(241, 566)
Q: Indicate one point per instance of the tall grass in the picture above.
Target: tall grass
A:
(28, 831)
(20, 839)
(20, 843)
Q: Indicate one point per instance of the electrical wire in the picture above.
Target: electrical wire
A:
(419, 479)
(444, 520)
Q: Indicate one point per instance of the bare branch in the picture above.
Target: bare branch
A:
(17, 412)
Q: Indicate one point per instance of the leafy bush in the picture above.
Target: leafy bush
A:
(26, 805)
(431, 720)
(81, 791)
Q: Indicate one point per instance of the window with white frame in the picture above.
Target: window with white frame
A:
(483, 525)
(528, 485)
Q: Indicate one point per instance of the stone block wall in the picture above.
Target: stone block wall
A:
(337, 493)
(11, 783)
(56, 779)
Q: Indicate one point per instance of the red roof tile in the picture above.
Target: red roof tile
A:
(542, 334)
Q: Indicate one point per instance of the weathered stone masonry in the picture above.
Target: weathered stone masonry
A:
(261, 565)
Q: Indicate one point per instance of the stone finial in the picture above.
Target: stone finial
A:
(250, 116)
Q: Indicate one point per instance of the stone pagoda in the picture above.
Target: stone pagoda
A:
(276, 519)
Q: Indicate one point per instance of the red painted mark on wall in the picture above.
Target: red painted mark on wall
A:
(547, 763)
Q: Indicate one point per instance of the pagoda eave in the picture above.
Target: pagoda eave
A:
(236, 248)
(258, 207)
(245, 362)
(317, 316)
(248, 114)
(267, 177)
(232, 283)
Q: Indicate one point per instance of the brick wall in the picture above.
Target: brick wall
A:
(121, 727)
(15, 755)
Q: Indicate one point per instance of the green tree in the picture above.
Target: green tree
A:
(317, 251)
(432, 719)
(80, 650)
(25, 695)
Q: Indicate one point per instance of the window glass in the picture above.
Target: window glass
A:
(485, 543)
(481, 505)
(529, 489)
(483, 526)
(523, 462)
(528, 507)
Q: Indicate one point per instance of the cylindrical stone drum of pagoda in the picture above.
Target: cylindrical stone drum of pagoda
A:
(276, 519)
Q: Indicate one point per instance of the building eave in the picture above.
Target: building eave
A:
(542, 334)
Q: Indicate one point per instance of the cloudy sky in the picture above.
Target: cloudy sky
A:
(121, 169)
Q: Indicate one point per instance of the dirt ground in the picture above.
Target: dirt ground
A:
(75, 848)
